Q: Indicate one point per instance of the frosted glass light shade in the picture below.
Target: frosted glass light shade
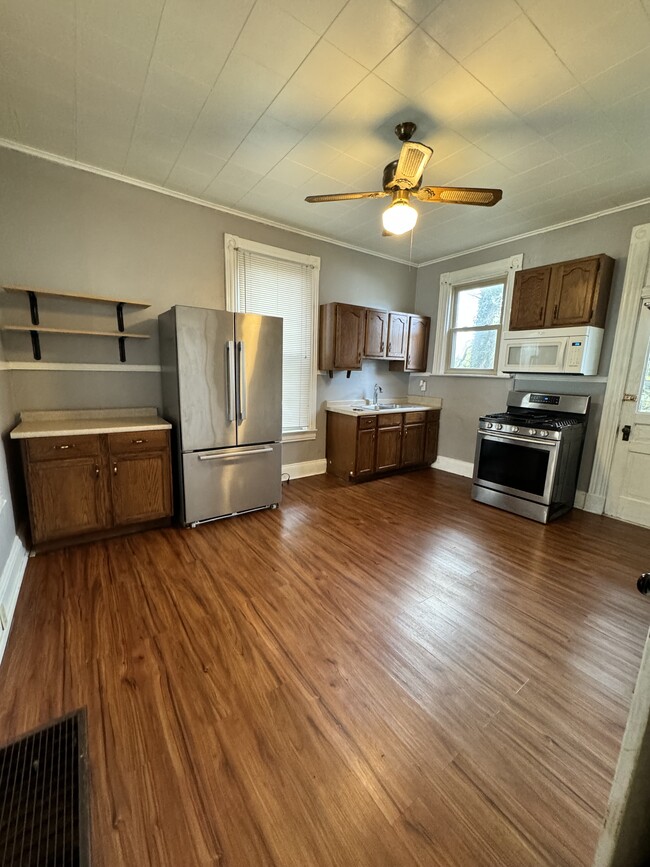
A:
(399, 218)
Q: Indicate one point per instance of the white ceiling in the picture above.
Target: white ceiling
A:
(254, 104)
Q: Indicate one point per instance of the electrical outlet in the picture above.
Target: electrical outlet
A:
(423, 385)
(3, 617)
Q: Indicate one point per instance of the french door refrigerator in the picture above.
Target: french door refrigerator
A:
(222, 390)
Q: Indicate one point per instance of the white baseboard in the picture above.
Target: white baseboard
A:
(580, 498)
(306, 468)
(453, 465)
(594, 503)
(10, 583)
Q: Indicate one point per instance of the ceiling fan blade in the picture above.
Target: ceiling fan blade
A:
(460, 195)
(342, 197)
(411, 163)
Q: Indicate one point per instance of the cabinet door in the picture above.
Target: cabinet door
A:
(398, 328)
(413, 444)
(431, 441)
(418, 343)
(389, 441)
(529, 298)
(141, 487)
(573, 285)
(67, 498)
(365, 464)
(348, 336)
(376, 327)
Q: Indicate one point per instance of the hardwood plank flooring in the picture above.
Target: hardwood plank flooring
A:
(387, 674)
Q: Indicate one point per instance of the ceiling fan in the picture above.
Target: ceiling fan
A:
(402, 179)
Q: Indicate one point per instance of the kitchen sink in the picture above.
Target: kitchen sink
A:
(382, 406)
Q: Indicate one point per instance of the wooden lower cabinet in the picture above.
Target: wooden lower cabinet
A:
(365, 446)
(96, 485)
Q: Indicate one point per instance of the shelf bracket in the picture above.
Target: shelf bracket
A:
(122, 344)
(119, 311)
(33, 308)
(36, 342)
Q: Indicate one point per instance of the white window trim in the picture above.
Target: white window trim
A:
(452, 279)
(233, 243)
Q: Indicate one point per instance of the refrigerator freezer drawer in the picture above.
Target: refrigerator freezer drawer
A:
(223, 482)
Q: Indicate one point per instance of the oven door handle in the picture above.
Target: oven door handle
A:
(504, 438)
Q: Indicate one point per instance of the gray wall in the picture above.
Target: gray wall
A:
(66, 229)
(465, 399)
(8, 462)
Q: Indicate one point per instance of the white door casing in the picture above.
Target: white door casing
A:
(628, 492)
(637, 280)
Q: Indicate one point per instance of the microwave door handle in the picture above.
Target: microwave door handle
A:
(230, 368)
(241, 352)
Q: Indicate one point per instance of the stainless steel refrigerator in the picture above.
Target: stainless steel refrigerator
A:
(222, 390)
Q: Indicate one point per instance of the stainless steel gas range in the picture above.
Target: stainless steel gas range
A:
(527, 458)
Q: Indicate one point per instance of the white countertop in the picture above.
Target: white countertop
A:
(94, 421)
(354, 407)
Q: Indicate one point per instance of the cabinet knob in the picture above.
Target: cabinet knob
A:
(114, 469)
(96, 472)
(137, 442)
(62, 448)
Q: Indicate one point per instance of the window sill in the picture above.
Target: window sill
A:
(298, 436)
(470, 375)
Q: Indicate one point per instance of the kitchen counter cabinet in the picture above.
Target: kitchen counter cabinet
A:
(360, 447)
(83, 486)
(562, 295)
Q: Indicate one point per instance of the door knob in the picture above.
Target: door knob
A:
(626, 430)
(643, 584)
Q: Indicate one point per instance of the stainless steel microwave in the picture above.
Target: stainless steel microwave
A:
(552, 350)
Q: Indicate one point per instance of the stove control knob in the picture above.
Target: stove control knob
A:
(488, 424)
(498, 426)
(514, 429)
(544, 433)
(531, 431)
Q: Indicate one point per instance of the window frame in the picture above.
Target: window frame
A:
(453, 281)
(232, 243)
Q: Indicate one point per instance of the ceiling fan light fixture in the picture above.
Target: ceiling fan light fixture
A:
(399, 218)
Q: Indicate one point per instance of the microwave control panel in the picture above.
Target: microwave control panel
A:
(575, 352)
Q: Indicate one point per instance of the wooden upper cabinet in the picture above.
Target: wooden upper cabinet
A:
(563, 294)
(418, 343)
(342, 328)
(529, 298)
(398, 331)
(579, 292)
(375, 334)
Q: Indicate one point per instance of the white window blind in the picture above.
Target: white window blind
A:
(277, 282)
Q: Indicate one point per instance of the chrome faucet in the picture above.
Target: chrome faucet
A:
(375, 397)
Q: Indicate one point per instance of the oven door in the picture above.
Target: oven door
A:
(521, 466)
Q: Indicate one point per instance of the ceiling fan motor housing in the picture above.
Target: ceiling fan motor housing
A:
(388, 180)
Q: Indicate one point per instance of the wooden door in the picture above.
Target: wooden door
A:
(413, 444)
(431, 439)
(365, 463)
(529, 298)
(348, 337)
(376, 328)
(67, 498)
(398, 329)
(141, 487)
(573, 285)
(418, 343)
(389, 442)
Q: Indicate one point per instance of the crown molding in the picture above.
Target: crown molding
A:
(8, 144)
(541, 231)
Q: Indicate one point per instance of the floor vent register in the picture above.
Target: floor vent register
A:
(44, 819)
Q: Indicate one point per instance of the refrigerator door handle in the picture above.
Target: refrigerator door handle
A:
(230, 364)
(237, 454)
(242, 380)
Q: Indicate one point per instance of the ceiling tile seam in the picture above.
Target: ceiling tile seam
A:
(381, 60)
(194, 200)
(144, 86)
(209, 94)
(572, 222)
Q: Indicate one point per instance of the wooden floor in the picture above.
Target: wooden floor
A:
(386, 674)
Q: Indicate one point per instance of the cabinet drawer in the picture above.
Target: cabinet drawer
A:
(391, 419)
(413, 417)
(137, 441)
(367, 421)
(56, 448)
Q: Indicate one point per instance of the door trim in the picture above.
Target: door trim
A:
(636, 283)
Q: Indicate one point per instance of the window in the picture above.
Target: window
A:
(473, 311)
(275, 282)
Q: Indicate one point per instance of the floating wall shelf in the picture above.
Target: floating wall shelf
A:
(36, 328)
